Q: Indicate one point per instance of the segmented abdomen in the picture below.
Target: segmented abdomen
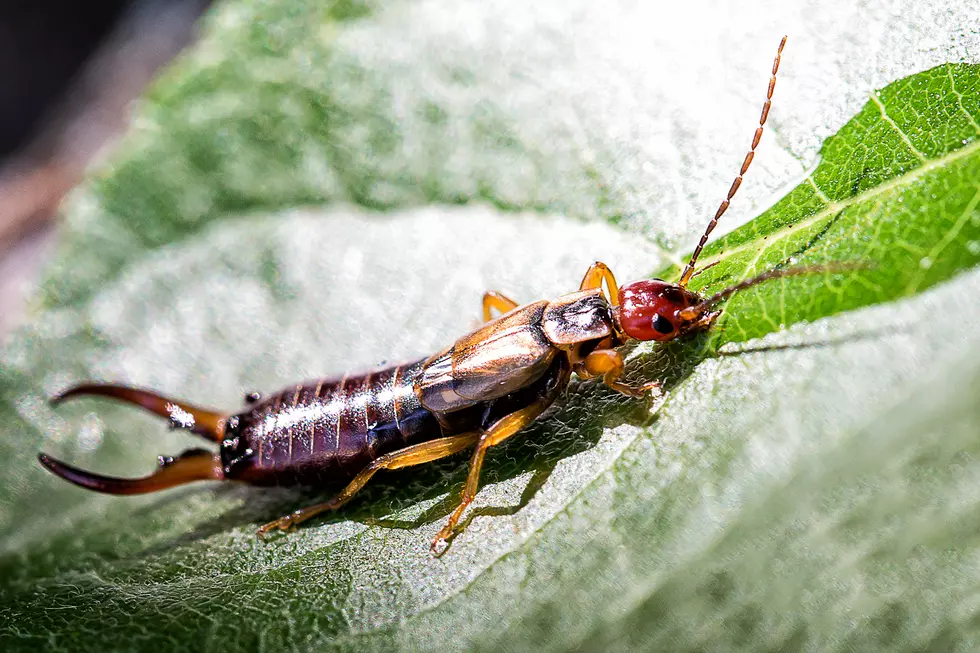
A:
(325, 431)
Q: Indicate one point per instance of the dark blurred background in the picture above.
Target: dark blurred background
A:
(68, 73)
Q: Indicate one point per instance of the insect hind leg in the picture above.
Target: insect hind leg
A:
(192, 465)
(416, 454)
(203, 422)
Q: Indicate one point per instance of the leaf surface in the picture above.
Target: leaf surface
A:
(818, 450)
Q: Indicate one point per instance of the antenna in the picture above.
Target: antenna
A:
(689, 270)
(696, 311)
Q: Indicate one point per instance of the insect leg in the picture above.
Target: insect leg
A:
(609, 364)
(414, 455)
(495, 300)
(597, 274)
(192, 465)
(205, 423)
(703, 323)
(500, 431)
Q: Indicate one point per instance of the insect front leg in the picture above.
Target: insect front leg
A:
(494, 300)
(595, 276)
(608, 364)
(415, 455)
(703, 323)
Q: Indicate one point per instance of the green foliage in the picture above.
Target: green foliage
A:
(806, 488)
(904, 160)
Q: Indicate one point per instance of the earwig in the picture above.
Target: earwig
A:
(476, 393)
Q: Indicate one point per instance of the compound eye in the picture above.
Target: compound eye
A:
(662, 324)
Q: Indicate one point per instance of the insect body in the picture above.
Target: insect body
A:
(481, 390)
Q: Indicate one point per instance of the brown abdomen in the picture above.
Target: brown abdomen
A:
(324, 432)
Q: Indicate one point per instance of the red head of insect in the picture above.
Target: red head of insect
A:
(652, 309)
(659, 310)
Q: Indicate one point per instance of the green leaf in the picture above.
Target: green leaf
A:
(904, 160)
(808, 487)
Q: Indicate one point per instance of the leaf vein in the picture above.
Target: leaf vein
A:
(959, 99)
(898, 130)
(944, 242)
(817, 190)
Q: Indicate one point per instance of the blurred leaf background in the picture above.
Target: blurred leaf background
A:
(317, 187)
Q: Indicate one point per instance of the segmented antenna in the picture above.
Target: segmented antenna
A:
(689, 270)
(694, 312)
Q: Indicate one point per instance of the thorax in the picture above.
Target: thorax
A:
(514, 350)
